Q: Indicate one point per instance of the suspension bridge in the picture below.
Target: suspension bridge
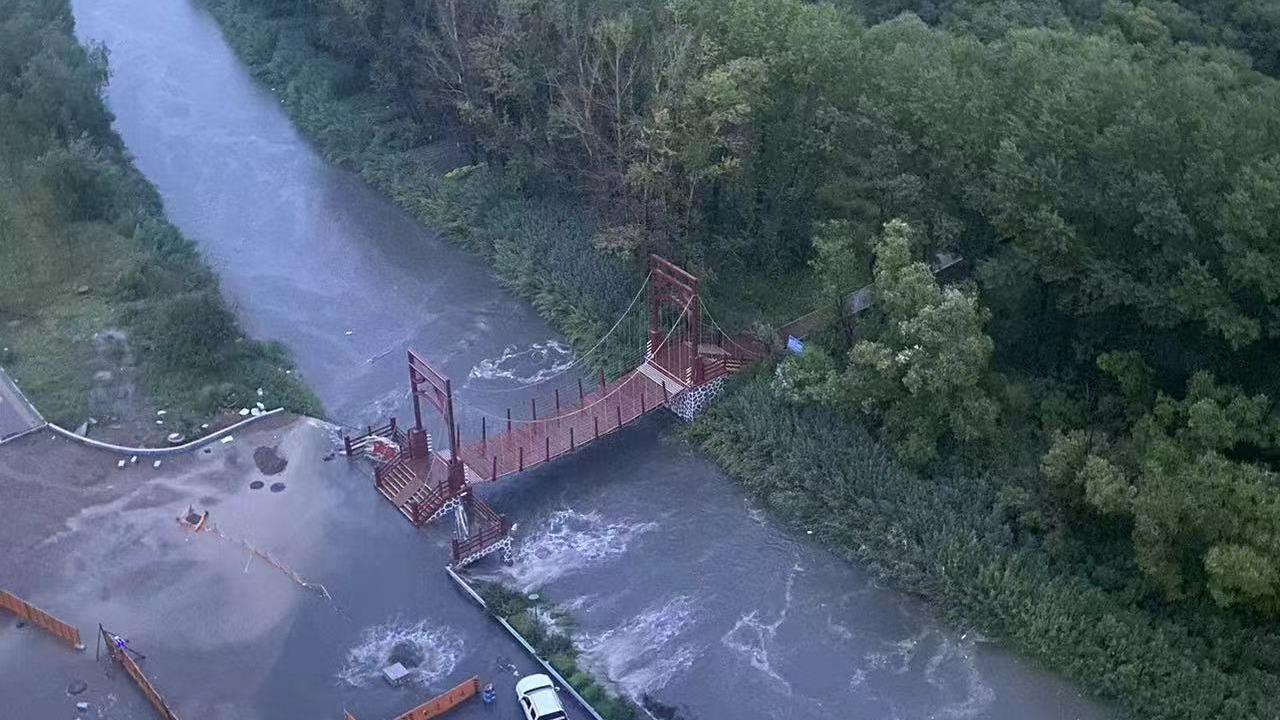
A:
(667, 352)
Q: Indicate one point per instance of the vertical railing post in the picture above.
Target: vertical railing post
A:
(643, 409)
(572, 444)
(602, 382)
(548, 446)
(596, 419)
(557, 401)
(493, 474)
(346, 443)
(533, 405)
(619, 409)
(582, 398)
(508, 419)
(484, 429)
(521, 458)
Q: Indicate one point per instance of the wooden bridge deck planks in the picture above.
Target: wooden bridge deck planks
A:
(625, 399)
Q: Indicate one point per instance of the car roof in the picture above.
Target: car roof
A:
(541, 692)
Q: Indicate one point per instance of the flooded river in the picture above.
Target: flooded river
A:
(683, 590)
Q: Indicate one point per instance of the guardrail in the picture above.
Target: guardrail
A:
(68, 634)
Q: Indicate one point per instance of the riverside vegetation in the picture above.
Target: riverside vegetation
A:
(1074, 447)
(85, 248)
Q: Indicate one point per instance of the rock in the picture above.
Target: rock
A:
(103, 376)
(159, 422)
(120, 464)
(259, 392)
(255, 412)
(82, 290)
(348, 332)
(82, 706)
(244, 412)
(277, 487)
(155, 464)
(76, 687)
(227, 439)
(204, 426)
(162, 412)
(176, 438)
(134, 459)
(256, 485)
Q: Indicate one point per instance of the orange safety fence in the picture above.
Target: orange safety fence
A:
(121, 655)
(41, 619)
(440, 704)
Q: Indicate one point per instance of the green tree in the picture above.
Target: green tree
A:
(923, 377)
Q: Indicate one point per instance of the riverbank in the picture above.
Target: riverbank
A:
(106, 310)
(940, 538)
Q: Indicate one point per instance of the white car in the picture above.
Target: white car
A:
(538, 699)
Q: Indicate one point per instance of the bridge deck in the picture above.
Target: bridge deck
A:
(529, 444)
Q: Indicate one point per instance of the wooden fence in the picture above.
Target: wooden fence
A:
(122, 656)
(41, 619)
(440, 704)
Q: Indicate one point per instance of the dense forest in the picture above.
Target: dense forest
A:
(105, 309)
(1072, 445)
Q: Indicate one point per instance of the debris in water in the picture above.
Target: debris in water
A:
(162, 412)
(277, 487)
(155, 464)
(259, 392)
(227, 439)
(134, 459)
(256, 485)
(159, 422)
(348, 332)
(120, 464)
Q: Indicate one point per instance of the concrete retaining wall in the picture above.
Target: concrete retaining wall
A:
(159, 452)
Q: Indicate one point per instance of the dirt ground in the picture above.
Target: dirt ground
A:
(226, 633)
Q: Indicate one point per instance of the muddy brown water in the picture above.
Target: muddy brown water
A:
(684, 592)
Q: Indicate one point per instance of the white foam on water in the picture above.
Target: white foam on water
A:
(567, 542)
(525, 366)
(952, 671)
(751, 637)
(643, 654)
(441, 649)
(897, 656)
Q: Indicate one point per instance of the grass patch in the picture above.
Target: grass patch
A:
(106, 310)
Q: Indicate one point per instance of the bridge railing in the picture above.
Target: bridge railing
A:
(354, 445)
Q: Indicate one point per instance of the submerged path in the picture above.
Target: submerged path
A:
(684, 591)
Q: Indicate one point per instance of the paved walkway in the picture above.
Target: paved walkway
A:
(16, 414)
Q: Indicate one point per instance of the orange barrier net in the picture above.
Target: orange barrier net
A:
(119, 652)
(440, 704)
(41, 619)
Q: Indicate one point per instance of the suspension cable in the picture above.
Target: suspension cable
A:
(593, 403)
(578, 359)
